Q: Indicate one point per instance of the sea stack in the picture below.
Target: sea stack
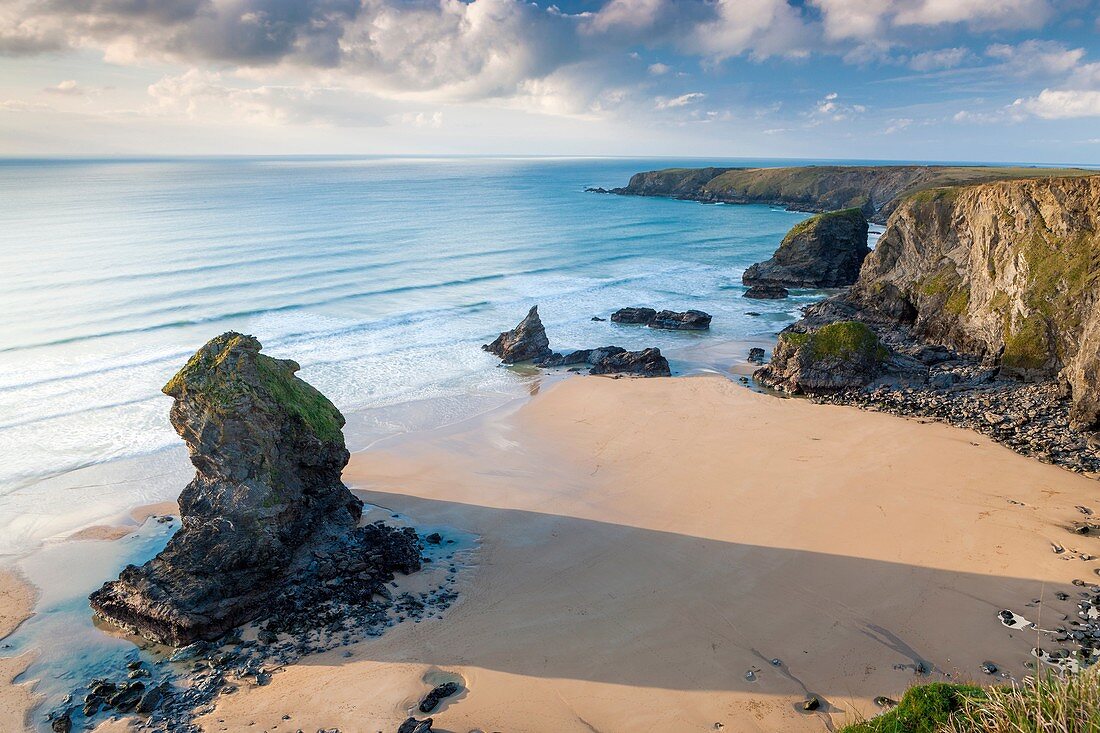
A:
(266, 499)
(825, 251)
(526, 342)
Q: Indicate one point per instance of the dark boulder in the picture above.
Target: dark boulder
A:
(265, 503)
(634, 315)
(832, 358)
(825, 251)
(756, 355)
(526, 342)
(690, 320)
(645, 363)
(583, 356)
(766, 292)
(614, 360)
(412, 725)
(433, 698)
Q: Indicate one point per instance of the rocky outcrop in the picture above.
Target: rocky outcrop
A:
(824, 251)
(1007, 271)
(838, 356)
(526, 342)
(634, 315)
(614, 360)
(644, 363)
(689, 320)
(766, 292)
(876, 190)
(267, 522)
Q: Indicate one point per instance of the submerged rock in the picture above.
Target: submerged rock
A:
(825, 251)
(838, 356)
(526, 342)
(266, 507)
(689, 320)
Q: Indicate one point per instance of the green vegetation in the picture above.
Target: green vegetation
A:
(814, 221)
(945, 194)
(841, 186)
(923, 709)
(946, 285)
(841, 340)
(301, 399)
(1063, 273)
(211, 373)
(958, 302)
(1048, 703)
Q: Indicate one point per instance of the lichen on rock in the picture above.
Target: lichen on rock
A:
(837, 356)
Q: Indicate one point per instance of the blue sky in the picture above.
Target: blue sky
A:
(995, 80)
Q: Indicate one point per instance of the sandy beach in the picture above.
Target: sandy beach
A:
(16, 603)
(648, 547)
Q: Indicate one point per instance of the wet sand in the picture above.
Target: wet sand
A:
(649, 546)
(16, 604)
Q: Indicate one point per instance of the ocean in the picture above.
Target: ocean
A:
(380, 276)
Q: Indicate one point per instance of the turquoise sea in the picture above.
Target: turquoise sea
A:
(380, 276)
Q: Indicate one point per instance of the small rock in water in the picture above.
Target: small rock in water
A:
(811, 703)
(62, 724)
(756, 355)
(989, 667)
(434, 538)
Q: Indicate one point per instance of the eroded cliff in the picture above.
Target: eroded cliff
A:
(1007, 270)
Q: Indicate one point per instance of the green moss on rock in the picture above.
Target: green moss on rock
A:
(805, 226)
(846, 340)
(229, 374)
(301, 399)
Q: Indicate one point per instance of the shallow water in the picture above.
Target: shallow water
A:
(380, 276)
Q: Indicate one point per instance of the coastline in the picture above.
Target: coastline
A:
(17, 599)
(633, 573)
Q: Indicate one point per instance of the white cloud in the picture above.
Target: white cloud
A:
(1035, 57)
(681, 101)
(897, 125)
(863, 19)
(659, 69)
(206, 96)
(1058, 104)
(68, 87)
(830, 108)
(945, 58)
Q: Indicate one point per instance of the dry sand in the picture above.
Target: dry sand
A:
(16, 604)
(646, 543)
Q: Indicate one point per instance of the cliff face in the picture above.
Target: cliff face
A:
(825, 251)
(1008, 270)
(265, 501)
(876, 190)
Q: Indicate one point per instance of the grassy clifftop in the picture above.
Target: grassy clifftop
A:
(874, 189)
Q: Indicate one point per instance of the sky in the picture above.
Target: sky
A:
(932, 80)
